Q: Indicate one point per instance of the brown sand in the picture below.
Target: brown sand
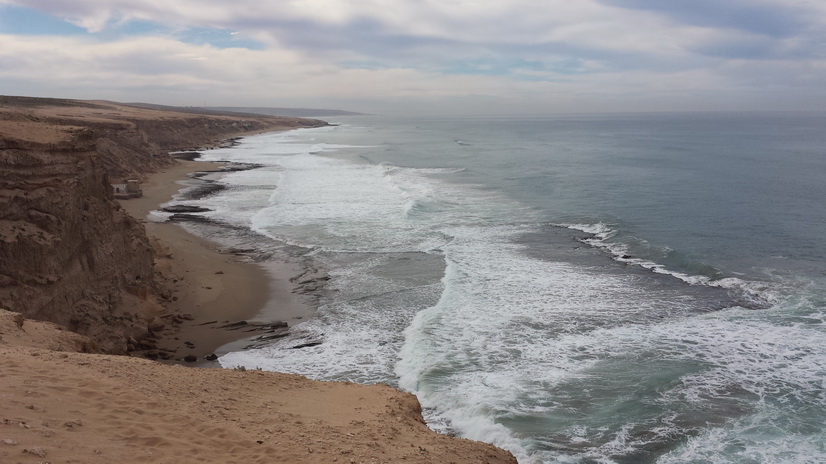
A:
(209, 283)
(66, 407)
(69, 407)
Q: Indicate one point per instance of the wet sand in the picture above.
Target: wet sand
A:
(207, 282)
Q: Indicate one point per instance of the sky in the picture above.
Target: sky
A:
(422, 56)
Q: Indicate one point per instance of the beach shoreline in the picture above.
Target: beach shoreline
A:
(65, 405)
(86, 280)
(208, 286)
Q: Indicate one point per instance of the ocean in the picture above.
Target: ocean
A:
(623, 288)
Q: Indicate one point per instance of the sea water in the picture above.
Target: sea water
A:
(580, 289)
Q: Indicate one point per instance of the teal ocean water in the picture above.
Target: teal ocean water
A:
(576, 289)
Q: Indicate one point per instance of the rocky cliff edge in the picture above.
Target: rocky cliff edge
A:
(68, 253)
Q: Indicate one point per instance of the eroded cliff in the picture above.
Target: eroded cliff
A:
(68, 253)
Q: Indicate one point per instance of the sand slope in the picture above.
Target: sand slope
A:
(68, 253)
(91, 408)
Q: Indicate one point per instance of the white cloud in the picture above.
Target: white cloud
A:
(534, 53)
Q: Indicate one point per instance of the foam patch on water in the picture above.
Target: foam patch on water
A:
(359, 329)
(260, 149)
(706, 371)
(750, 440)
(757, 294)
(508, 319)
(245, 194)
(341, 206)
(338, 205)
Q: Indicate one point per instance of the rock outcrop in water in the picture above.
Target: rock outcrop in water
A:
(68, 253)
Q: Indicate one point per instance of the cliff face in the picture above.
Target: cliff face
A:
(194, 130)
(68, 253)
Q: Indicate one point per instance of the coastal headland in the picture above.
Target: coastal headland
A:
(87, 282)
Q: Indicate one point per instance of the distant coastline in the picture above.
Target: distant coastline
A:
(251, 110)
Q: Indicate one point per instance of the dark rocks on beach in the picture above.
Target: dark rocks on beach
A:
(231, 167)
(236, 167)
(190, 358)
(211, 357)
(185, 209)
(271, 331)
(312, 280)
(176, 318)
(200, 191)
(241, 251)
(255, 326)
(234, 325)
(188, 217)
(188, 155)
(231, 142)
(305, 345)
(272, 335)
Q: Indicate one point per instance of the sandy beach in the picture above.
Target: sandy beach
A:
(208, 282)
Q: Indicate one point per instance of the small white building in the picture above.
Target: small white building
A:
(131, 189)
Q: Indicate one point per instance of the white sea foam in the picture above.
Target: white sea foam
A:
(556, 361)
(371, 213)
(337, 205)
(360, 327)
(751, 389)
(761, 294)
(507, 325)
(749, 440)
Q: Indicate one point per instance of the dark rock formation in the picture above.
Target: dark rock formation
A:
(184, 209)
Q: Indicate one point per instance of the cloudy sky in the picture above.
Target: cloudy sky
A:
(423, 56)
